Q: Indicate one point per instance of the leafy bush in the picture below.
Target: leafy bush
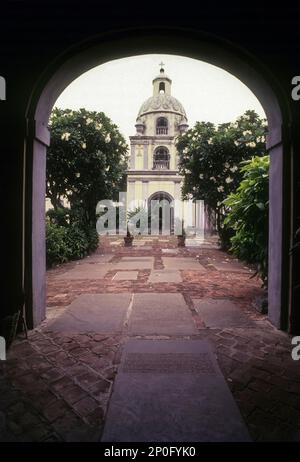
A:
(248, 215)
(59, 216)
(56, 247)
(70, 242)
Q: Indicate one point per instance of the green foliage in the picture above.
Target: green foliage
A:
(248, 214)
(67, 241)
(209, 158)
(56, 247)
(86, 160)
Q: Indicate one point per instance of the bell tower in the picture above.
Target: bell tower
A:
(162, 83)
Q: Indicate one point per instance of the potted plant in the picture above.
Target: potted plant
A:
(128, 238)
(181, 237)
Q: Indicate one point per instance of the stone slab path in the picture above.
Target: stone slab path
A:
(171, 391)
(221, 313)
(56, 386)
(165, 276)
(182, 264)
(160, 314)
(101, 313)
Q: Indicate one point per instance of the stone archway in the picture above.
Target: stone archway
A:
(191, 44)
(160, 197)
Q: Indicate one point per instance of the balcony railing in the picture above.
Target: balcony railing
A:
(161, 165)
(161, 130)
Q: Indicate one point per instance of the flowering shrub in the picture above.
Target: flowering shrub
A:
(209, 158)
(248, 215)
(86, 160)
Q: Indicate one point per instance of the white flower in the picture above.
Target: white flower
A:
(226, 165)
(83, 145)
(201, 176)
(247, 132)
(66, 136)
(229, 179)
(210, 141)
(107, 168)
(260, 139)
(89, 121)
(185, 151)
(220, 188)
(236, 143)
(98, 126)
(107, 138)
(251, 144)
(234, 168)
(212, 178)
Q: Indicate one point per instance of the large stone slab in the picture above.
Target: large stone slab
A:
(231, 266)
(85, 271)
(165, 276)
(103, 313)
(171, 391)
(126, 276)
(183, 263)
(221, 313)
(170, 251)
(160, 314)
(194, 242)
(131, 263)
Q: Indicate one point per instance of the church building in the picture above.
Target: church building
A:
(153, 172)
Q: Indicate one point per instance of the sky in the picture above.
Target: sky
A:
(118, 88)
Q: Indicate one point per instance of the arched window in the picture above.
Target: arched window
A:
(162, 87)
(162, 126)
(161, 159)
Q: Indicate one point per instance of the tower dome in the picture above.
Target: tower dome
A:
(160, 103)
(161, 100)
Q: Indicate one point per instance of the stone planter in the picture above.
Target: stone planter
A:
(181, 241)
(128, 241)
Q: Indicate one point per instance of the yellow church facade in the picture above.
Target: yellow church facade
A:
(153, 173)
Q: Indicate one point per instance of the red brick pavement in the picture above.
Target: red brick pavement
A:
(55, 387)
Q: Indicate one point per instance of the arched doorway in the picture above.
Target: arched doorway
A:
(192, 44)
(163, 205)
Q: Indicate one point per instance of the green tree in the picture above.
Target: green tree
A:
(248, 214)
(209, 158)
(86, 160)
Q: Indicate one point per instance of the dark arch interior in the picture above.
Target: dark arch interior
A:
(195, 45)
(161, 197)
(161, 159)
(162, 87)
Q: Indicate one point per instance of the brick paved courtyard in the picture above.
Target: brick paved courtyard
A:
(57, 384)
